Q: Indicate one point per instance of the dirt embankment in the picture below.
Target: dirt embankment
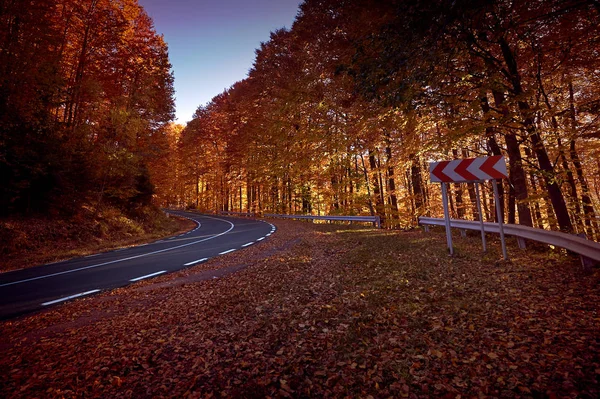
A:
(26, 242)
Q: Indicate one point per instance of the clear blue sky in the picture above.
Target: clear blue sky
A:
(212, 42)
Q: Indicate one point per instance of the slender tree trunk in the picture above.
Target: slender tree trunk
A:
(74, 105)
(376, 186)
(381, 183)
(556, 197)
(197, 184)
(486, 210)
(511, 205)
(366, 174)
(571, 185)
(537, 211)
(291, 204)
(334, 186)
(417, 183)
(493, 146)
(350, 186)
(591, 225)
(515, 165)
(451, 203)
(408, 184)
(391, 182)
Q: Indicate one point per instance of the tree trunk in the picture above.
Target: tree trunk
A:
(377, 189)
(366, 174)
(537, 211)
(591, 226)
(417, 183)
(493, 146)
(390, 176)
(556, 197)
(511, 205)
(515, 165)
(573, 197)
(572, 187)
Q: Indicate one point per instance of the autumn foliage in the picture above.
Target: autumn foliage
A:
(343, 112)
(85, 95)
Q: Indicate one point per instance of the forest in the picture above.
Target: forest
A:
(342, 113)
(86, 95)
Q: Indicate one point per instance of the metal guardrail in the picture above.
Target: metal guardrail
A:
(247, 214)
(586, 248)
(376, 220)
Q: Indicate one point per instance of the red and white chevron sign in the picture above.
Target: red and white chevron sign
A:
(468, 170)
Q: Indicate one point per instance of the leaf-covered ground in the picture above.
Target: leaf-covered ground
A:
(324, 311)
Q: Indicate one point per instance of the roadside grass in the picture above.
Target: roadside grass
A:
(326, 311)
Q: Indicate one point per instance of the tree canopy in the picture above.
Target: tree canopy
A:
(343, 112)
(86, 94)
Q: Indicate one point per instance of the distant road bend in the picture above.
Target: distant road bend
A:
(31, 289)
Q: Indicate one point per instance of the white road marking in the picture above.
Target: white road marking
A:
(196, 261)
(124, 259)
(147, 276)
(226, 252)
(69, 297)
(260, 239)
(247, 245)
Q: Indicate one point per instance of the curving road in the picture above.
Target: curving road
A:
(39, 287)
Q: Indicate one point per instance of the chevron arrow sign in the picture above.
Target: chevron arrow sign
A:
(468, 170)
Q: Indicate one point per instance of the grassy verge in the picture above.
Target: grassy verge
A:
(325, 311)
(26, 242)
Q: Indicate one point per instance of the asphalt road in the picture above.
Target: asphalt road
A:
(35, 288)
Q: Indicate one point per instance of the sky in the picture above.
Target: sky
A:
(212, 43)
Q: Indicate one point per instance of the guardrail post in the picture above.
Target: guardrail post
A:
(378, 222)
(586, 262)
(522, 243)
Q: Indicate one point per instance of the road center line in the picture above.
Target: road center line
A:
(69, 297)
(195, 261)
(147, 276)
(124, 259)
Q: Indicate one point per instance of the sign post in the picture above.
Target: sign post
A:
(500, 217)
(447, 218)
(471, 170)
(478, 198)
